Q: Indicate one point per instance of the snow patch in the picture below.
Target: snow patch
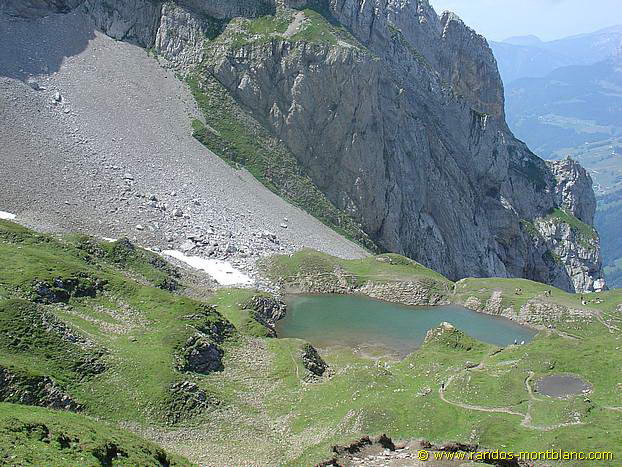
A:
(221, 271)
(7, 216)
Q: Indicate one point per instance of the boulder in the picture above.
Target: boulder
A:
(201, 355)
(187, 400)
(312, 361)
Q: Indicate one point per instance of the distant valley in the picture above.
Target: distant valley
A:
(564, 99)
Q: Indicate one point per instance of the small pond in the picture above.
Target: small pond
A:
(562, 386)
(360, 322)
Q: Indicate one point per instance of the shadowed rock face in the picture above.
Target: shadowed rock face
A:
(34, 8)
(403, 127)
(200, 355)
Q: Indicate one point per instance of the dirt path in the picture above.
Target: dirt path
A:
(507, 410)
(527, 417)
(612, 329)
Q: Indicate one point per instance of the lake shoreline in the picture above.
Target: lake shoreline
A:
(360, 322)
(290, 291)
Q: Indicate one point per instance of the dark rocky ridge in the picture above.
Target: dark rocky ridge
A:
(404, 129)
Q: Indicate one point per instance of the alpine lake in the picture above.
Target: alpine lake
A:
(380, 328)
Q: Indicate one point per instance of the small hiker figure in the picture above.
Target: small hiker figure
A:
(442, 386)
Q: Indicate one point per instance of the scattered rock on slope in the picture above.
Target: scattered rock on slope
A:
(34, 390)
(187, 400)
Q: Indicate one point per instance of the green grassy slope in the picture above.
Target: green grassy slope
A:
(386, 267)
(403, 398)
(325, 271)
(37, 436)
(139, 327)
(120, 366)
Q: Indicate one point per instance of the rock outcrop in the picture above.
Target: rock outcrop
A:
(61, 289)
(201, 352)
(180, 36)
(187, 400)
(133, 21)
(573, 190)
(412, 292)
(200, 355)
(266, 310)
(536, 311)
(312, 361)
(396, 114)
(41, 391)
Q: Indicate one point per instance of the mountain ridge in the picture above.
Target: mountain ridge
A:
(466, 72)
(522, 59)
(349, 111)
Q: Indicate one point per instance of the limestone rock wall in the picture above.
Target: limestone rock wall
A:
(407, 133)
(133, 21)
(180, 36)
(574, 190)
(400, 124)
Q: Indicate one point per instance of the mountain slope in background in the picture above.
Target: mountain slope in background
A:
(529, 40)
(576, 111)
(528, 56)
(394, 113)
(609, 223)
(568, 107)
(429, 169)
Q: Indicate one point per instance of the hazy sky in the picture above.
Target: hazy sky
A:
(547, 19)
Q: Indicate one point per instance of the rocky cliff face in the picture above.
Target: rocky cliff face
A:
(35, 8)
(397, 115)
(402, 125)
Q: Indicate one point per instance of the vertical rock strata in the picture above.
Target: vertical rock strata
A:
(397, 115)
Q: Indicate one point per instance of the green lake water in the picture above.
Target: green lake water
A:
(359, 322)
